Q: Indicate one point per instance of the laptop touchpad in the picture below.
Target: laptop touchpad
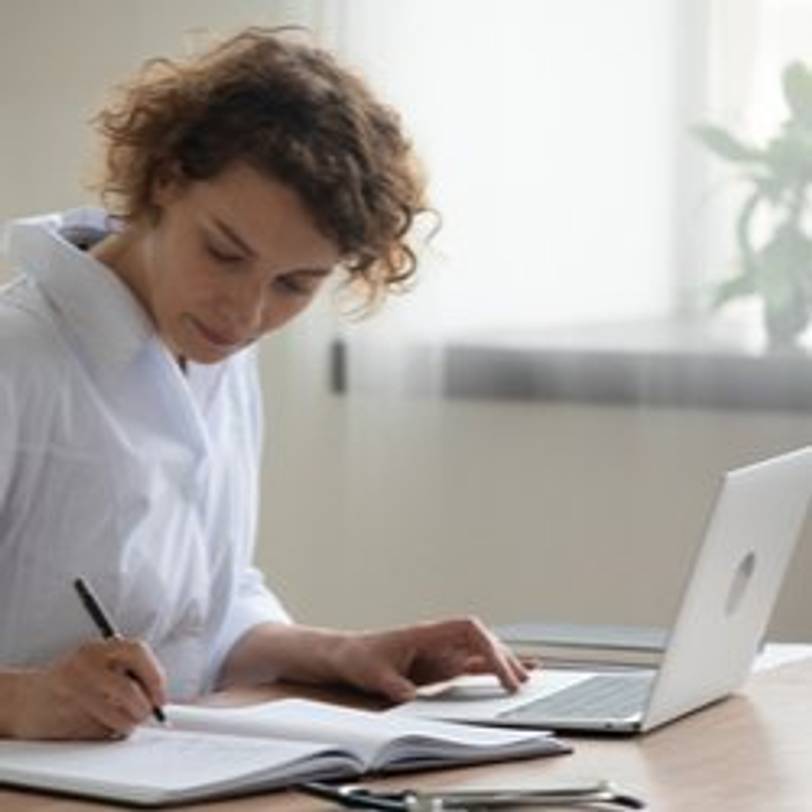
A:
(482, 697)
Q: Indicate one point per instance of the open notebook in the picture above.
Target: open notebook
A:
(213, 752)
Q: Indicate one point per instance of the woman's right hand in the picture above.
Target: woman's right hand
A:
(103, 689)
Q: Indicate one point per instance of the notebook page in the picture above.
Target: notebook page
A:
(154, 764)
(368, 733)
(291, 719)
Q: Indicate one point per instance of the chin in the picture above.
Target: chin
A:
(198, 356)
(193, 344)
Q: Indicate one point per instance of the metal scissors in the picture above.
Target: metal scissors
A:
(599, 794)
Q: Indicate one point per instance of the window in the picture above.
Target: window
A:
(551, 131)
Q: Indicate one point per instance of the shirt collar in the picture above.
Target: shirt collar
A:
(98, 308)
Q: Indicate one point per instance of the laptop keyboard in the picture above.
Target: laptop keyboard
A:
(601, 697)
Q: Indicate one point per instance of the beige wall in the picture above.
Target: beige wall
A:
(57, 62)
(380, 511)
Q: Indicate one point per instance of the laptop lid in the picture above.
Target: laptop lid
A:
(733, 584)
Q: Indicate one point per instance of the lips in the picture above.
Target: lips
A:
(219, 338)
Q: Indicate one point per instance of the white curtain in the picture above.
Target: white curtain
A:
(551, 130)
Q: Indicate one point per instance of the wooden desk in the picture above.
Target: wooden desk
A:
(750, 753)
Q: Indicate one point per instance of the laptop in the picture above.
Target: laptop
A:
(733, 585)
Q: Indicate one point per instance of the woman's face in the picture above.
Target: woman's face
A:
(229, 260)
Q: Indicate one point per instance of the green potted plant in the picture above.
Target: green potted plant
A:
(773, 224)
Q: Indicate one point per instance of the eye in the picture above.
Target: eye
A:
(293, 284)
(220, 254)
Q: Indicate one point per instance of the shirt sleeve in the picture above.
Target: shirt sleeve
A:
(252, 601)
(19, 412)
(8, 439)
(253, 605)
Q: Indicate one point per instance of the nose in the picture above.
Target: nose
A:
(242, 304)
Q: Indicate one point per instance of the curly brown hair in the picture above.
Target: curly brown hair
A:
(290, 111)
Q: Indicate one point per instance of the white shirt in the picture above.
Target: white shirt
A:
(116, 466)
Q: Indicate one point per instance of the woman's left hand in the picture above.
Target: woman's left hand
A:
(396, 661)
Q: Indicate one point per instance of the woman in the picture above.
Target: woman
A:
(236, 184)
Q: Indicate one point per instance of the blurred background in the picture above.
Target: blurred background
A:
(538, 429)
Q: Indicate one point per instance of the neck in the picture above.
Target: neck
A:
(122, 255)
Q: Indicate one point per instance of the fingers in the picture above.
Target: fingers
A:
(478, 665)
(395, 661)
(498, 659)
(464, 645)
(142, 665)
(137, 683)
(528, 662)
(393, 686)
(117, 700)
(115, 682)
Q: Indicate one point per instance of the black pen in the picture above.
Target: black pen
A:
(103, 623)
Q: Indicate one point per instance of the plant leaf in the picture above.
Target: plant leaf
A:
(797, 82)
(790, 155)
(782, 279)
(742, 285)
(724, 145)
(769, 187)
